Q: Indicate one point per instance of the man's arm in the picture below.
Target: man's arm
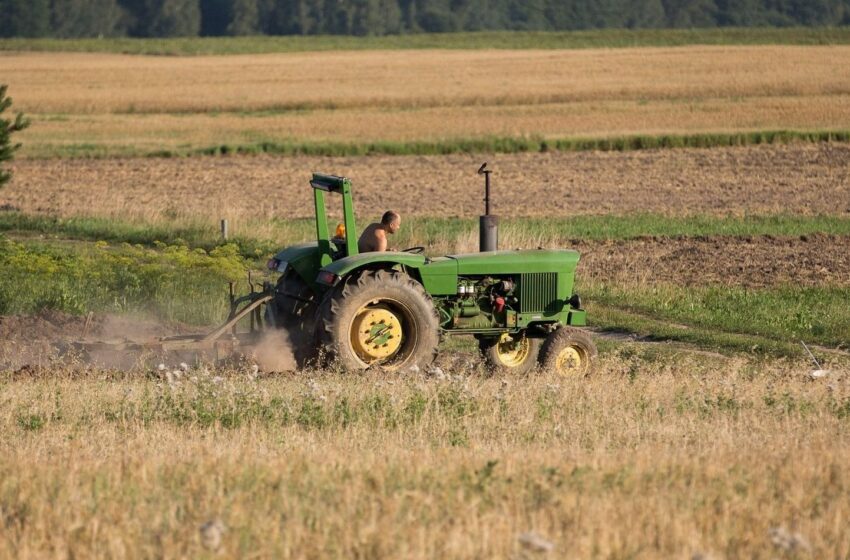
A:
(381, 240)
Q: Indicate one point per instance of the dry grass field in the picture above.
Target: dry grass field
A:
(139, 104)
(660, 454)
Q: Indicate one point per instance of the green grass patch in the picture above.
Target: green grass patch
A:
(502, 145)
(512, 145)
(603, 38)
(632, 226)
(771, 320)
(433, 233)
(195, 236)
(173, 282)
(613, 319)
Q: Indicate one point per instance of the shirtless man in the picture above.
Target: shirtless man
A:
(374, 237)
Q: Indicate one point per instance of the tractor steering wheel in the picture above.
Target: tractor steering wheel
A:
(414, 250)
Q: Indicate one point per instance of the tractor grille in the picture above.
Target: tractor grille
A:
(538, 292)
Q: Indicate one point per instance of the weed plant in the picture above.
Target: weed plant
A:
(171, 282)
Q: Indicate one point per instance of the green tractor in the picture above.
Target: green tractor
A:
(390, 309)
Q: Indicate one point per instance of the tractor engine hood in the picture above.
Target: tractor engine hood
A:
(516, 262)
(491, 263)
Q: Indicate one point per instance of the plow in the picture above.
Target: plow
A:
(221, 343)
(391, 309)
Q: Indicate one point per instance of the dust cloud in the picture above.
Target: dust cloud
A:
(275, 352)
(48, 339)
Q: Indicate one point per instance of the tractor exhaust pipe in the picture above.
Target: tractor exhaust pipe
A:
(488, 224)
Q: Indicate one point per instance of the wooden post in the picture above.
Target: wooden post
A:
(224, 230)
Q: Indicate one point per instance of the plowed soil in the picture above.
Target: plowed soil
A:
(35, 340)
(794, 179)
(759, 261)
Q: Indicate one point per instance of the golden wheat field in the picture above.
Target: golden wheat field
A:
(127, 104)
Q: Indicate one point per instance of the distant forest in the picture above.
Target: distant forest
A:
(189, 18)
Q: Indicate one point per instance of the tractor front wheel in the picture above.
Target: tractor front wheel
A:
(514, 354)
(569, 352)
(379, 318)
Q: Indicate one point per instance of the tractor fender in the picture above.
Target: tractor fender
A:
(297, 252)
(388, 259)
(303, 259)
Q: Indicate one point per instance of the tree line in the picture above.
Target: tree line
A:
(187, 18)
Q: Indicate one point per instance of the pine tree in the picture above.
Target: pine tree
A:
(7, 127)
(24, 18)
(215, 17)
(87, 18)
(691, 13)
(245, 19)
(164, 18)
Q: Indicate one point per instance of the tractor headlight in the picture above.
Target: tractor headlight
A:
(575, 301)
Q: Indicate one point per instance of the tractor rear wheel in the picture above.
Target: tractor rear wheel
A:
(569, 352)
(379, 318)
(514, 354)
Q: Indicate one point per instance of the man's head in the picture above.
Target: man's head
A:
(391, 221)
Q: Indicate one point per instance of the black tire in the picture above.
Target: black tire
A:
(410, 339)
(569, 352)
(293, 309)
(517, 356)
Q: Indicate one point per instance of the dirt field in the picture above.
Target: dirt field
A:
(136, 104)
(815, 260)
(795, 179)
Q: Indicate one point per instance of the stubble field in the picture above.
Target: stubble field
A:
(702, 433)
(667, 454)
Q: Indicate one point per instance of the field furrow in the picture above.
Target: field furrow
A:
(802, 179)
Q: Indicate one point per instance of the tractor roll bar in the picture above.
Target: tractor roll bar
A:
(328, 183)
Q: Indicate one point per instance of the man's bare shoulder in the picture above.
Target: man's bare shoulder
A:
(371, 238)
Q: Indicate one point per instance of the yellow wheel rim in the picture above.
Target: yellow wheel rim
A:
(570, 361)
(376, 333)
(513, 352)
